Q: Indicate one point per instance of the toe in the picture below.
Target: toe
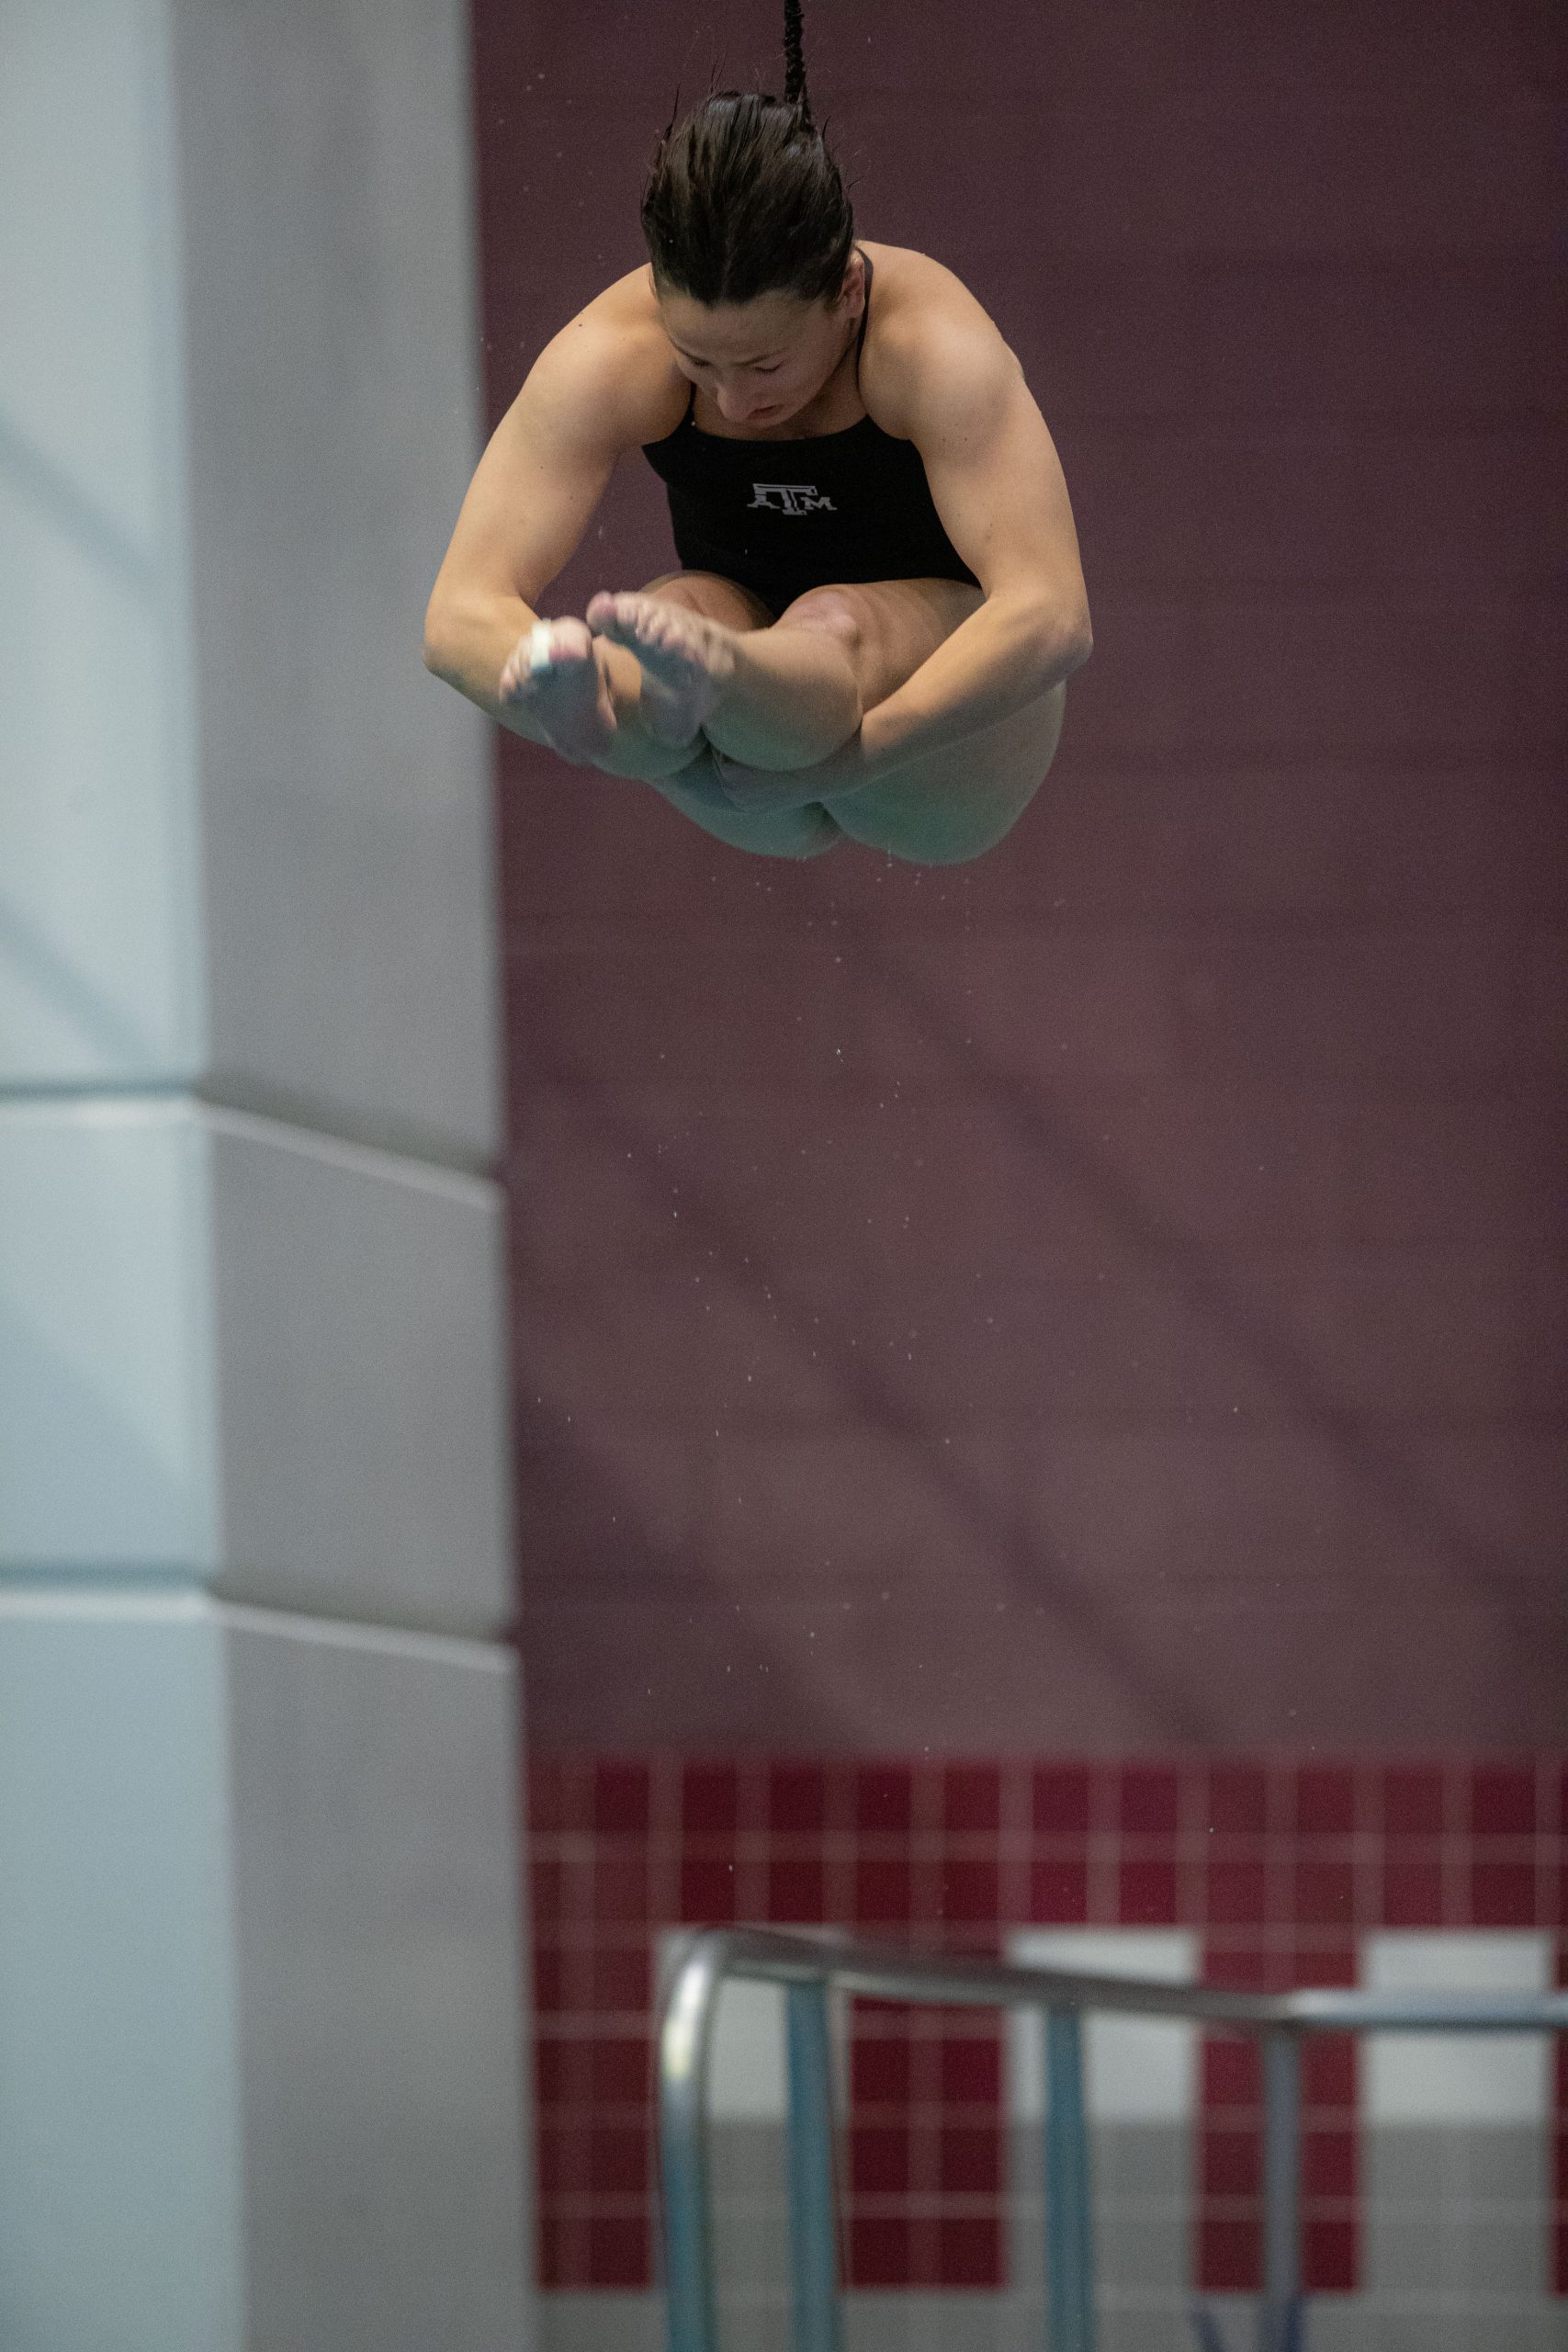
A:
(573, 640)
(611, 616)
(671, 629)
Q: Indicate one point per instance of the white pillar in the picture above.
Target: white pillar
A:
(262, 2047)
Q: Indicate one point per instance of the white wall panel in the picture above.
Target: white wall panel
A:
(245, 839)
(1452, 2078)
(262, 1990)
(100, 920)
(379, 1963)
(260, 1954)
(362, 1378)
(1137, 2070)
(108, 1442)
(235, 1350)
(334, 402)
(120, 2173)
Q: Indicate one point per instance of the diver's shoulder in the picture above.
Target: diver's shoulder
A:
(929, 318)
(624, 360)
(925, 301)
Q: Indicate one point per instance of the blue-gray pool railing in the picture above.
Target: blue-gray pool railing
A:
(809, 1966)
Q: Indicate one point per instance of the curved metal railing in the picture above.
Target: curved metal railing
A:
(807, 1965)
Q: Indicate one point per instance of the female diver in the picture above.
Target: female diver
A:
(881, 598)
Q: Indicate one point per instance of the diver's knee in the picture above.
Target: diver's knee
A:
(833, 610)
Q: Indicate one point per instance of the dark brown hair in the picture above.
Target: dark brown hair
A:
(745, 199)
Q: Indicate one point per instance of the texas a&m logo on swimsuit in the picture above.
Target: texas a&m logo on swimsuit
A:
(791, 498)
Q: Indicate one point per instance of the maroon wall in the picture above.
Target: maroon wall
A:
(1111, 1296)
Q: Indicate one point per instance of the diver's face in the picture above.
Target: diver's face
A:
(760, 361)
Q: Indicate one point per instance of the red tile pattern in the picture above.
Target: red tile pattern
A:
(1229, 2218)
(1278, 1865)
(925, 2174)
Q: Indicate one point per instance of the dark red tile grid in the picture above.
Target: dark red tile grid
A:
(1278, 1865)
(925, 2177)
(623, 1848)
(1229, 2215)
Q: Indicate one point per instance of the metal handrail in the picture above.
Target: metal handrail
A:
(806, 1965)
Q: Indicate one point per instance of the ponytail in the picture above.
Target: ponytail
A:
(795, 93)
(744, 199)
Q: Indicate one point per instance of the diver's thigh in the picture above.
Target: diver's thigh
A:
(778, 833)
(955, 804)
(696, 791)
(715, 597)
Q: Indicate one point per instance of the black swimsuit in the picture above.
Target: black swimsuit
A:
(849, 505)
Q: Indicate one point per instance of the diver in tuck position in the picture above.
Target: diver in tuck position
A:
(881, 599)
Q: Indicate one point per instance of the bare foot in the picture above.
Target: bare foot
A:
(553, 671)
(687, 660)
